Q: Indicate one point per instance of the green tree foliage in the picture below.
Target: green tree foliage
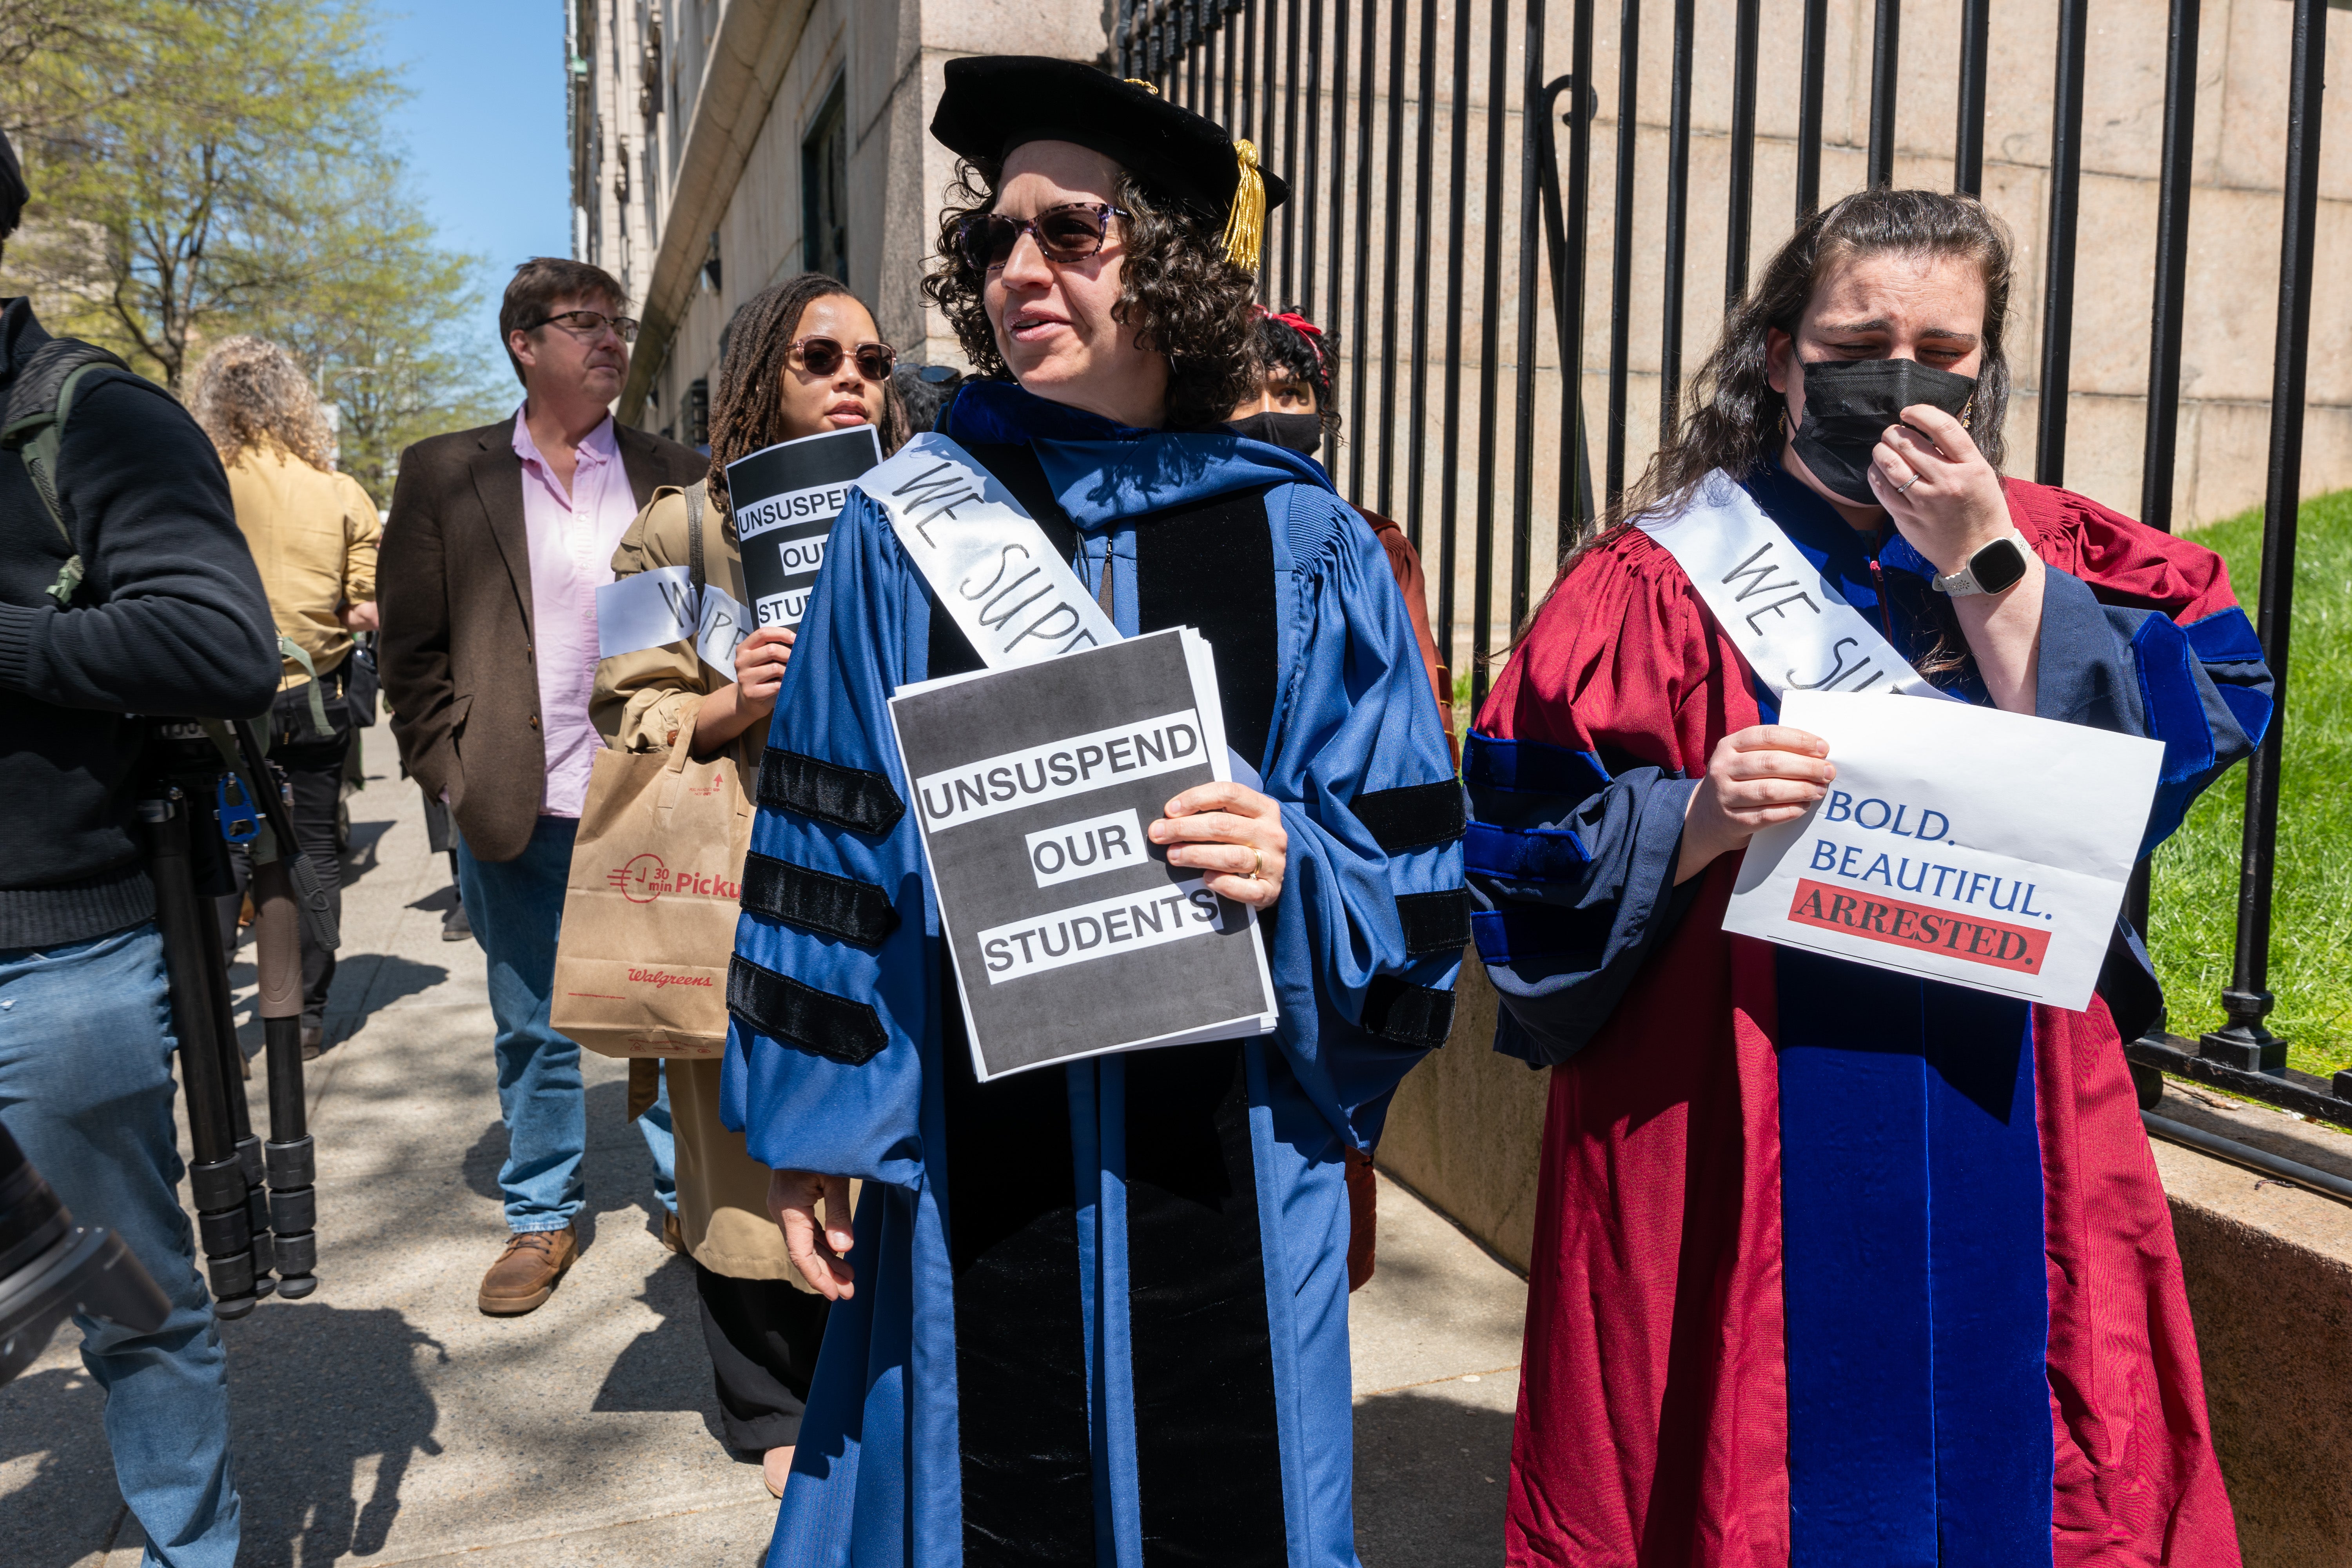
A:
(204, 167)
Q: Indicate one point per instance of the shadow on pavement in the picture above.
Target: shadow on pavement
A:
(1431, 1473)
(60, 1515)
(326, 1411)
(360, 854)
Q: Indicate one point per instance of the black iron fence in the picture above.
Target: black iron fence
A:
(1433, 200)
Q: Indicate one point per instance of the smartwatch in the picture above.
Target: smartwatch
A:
(1995, 569)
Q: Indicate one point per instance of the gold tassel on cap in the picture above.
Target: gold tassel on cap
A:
(1246, 229)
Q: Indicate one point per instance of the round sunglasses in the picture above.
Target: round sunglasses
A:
(1071, 232)
(823, 356)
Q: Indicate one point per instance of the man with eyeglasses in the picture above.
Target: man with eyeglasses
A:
(488, 585)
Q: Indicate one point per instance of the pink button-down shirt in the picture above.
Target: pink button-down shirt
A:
(572, 538)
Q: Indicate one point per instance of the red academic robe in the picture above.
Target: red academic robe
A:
(1652, 1424)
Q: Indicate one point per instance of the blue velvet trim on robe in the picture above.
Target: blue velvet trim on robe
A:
(1912, 1235)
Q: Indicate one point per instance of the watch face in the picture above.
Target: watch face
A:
(1998, 565)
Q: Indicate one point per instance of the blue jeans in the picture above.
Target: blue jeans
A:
(86, 1087)
(516, 907)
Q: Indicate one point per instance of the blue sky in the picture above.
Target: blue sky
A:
(483, 129)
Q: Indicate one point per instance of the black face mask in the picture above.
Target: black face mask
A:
(1302, 433)
(1849, 404)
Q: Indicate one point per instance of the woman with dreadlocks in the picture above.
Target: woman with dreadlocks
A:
(1835, 1264)
(802, 358)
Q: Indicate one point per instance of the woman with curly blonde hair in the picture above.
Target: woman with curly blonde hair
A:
(313, 533)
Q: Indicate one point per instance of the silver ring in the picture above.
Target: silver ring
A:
(1907, 484)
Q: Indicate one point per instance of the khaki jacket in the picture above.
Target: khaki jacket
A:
(641, 702)
(313, 534)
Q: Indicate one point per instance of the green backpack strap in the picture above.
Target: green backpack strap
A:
(39, 400)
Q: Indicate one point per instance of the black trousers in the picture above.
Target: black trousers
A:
(314, 771)
(762, 1335)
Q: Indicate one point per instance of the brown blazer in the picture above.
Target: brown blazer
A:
(453, 586)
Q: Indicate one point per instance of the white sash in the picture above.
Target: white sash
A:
(1786, 620)
(653, 609)
(987, 559)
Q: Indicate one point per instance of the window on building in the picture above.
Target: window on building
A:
(825, 189)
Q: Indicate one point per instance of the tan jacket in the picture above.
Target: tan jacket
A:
(313, 535)
(641, 702)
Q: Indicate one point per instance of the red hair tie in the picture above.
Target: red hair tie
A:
(1300, 324)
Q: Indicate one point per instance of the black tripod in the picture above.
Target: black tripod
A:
(256, 1204)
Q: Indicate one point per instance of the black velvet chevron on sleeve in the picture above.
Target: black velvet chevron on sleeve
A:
(854, 798)
(820, 902)
(1407, 1014)
(816, 1021)
(1434, 922)
(1413, 816)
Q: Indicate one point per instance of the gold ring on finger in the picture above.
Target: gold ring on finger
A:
(1257, 863)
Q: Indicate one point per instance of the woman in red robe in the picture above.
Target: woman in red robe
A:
(1835, 1266)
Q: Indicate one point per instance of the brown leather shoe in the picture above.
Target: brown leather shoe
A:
(672, 1237)
(525, 1274)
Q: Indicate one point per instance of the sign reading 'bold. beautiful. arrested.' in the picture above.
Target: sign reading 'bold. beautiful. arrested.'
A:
(1960, 843)
(1034, 787)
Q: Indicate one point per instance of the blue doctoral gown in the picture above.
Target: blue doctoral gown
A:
(1101, 1310)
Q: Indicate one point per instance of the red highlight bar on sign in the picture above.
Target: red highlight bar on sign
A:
(1991, 942)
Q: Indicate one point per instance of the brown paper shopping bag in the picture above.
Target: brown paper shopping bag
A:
(649, 912)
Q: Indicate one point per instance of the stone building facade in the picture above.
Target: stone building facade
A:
(718, 145)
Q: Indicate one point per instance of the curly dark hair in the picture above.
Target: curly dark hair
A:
(1733, 418)
(1283, 350)
(747, 413)
(1180, 292)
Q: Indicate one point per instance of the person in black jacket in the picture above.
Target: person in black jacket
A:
(169, 618)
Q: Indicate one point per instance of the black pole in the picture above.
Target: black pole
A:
(1886, 57)
(1621, 239)
(1967, 160)
(1810, 78)
(1291, 210)
(2244, 1041)
(1535, 140)
(2171, 268)
(1392, 237)
(1450, 462)
(1417, 400)
(1334, 275)
(2058, 285)
(1678, 131)
(1490, 348)
(1743, 152)
(1359, 378)
(1310, 211)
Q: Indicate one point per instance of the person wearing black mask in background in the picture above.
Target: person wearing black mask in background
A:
(1296, 407)
(133, 594)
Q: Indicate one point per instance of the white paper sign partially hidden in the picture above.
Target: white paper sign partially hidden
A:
(653, 609)
(1963, 844)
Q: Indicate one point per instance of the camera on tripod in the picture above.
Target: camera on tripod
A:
(257, 1201)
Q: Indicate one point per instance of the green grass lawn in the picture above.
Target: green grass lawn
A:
(2194, 903)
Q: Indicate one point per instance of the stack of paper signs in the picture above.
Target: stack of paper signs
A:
(1071, 934)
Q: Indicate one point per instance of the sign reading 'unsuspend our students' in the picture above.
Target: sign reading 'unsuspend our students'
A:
(1072, 935)
(785, 499)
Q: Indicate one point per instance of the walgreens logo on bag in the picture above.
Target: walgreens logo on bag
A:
(645, 879)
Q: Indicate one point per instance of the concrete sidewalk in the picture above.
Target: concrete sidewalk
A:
(384, 1420)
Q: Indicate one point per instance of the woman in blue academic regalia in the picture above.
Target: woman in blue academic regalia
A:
(1093, 1306)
